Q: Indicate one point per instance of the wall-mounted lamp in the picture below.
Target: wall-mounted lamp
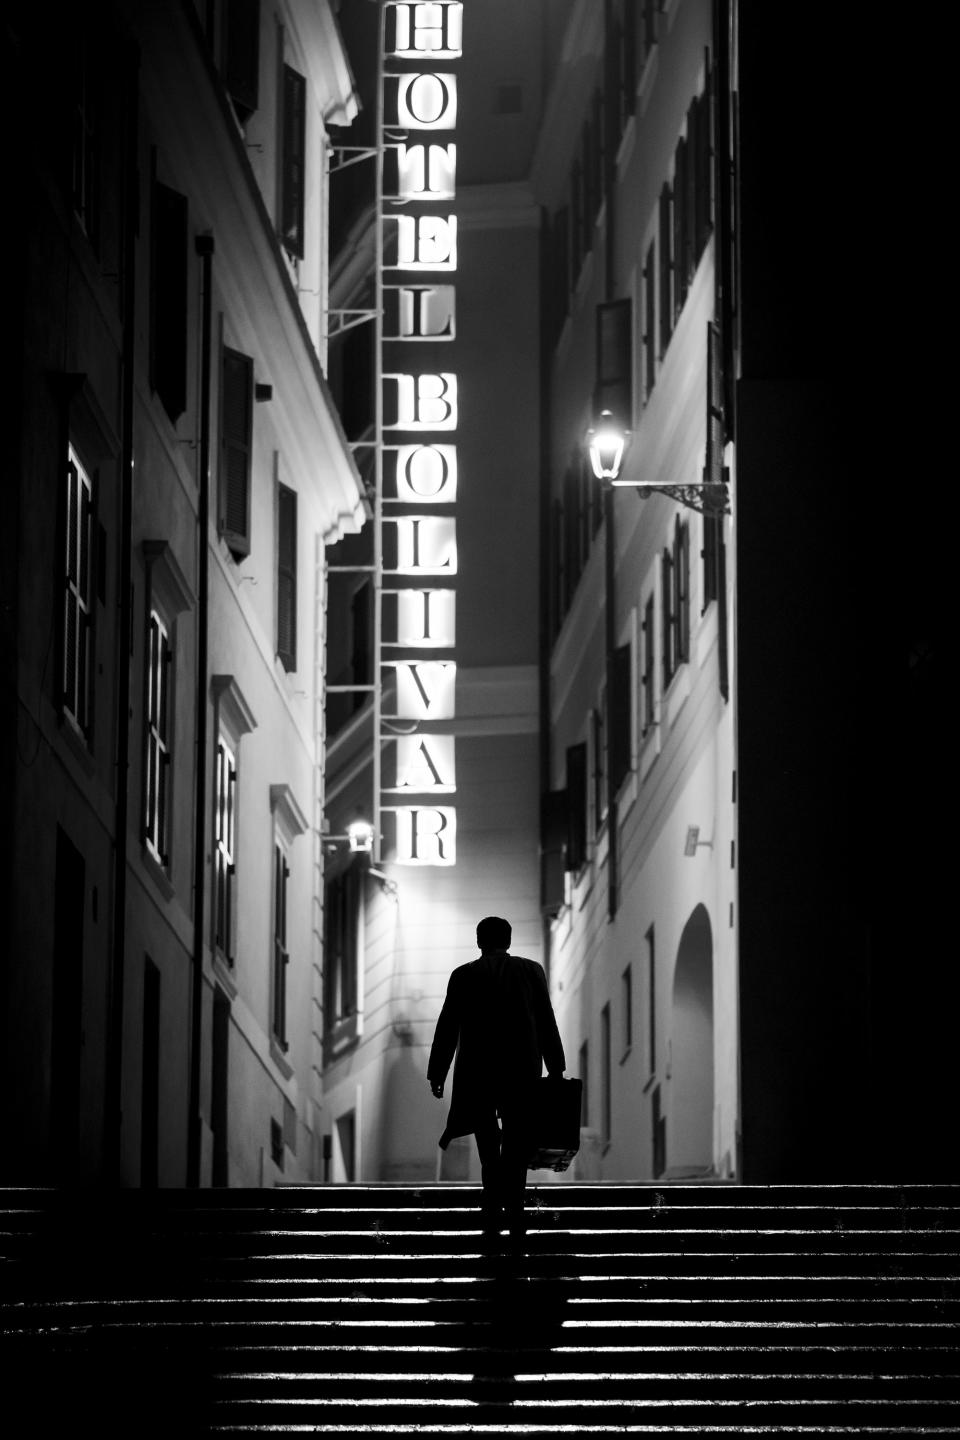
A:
(606, 444)
(359, 836)
(693, 841)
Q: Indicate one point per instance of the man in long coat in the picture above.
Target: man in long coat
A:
(498, 1018)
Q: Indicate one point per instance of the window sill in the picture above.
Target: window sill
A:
(651, 65)
(649, 1083)
(224, 975)
(342, 1036)
(625, 148)
(279, 1058)
(627, 794)
(626, 1055)
(77, 743)
(677, 693)
(649, 750)
(157, 871)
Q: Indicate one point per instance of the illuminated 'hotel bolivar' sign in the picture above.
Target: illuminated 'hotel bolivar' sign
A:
(419, 417)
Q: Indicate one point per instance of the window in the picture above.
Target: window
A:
(665, 262)
(647, 682)
(157, 761)
(86, 138)
(150, 1077)
(241, 55)
(225, 851)
(585, 1078)
(651, 1002)
(281, 957)
(621, 716)
(167, 595)
(605, 1097)
(646, 31)
(287, 577)
(77, 634)
(168, 299)
(649, 323)
(236, 427)
(614, 359)
(293, 143)
(576, 807)
(675, 589)
(598, 733)
(341, 972)
(626, 997)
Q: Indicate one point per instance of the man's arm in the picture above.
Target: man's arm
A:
(551, 1045)
(444, 1040)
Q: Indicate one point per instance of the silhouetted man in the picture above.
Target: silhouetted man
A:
(498, 1018)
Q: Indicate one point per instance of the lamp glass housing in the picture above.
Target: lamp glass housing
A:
(606, 445)
(360, 836)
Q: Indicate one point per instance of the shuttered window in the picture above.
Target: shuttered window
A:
(77, 631)
(576, 806)
(225, 799)
(287, 577)
(157, 758)
(647, 682)
(236, 423)
(342, 900)
(649, 323)
(703, 165)
(293, 160)
(681, 592)
(241, 54)
(665, 264)
(667, 652)
(614, 334)
(168, 299)
(620, 715)
(281, 957)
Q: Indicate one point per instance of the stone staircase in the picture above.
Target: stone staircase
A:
(368, 1310)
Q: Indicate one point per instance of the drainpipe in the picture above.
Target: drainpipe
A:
(610, 540)
(204, 248)
(113, 1088)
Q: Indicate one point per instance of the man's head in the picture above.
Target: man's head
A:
(493, 934)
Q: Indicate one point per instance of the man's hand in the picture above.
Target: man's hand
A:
(437, 1089)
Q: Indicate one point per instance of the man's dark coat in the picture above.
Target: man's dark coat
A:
(498, 1018)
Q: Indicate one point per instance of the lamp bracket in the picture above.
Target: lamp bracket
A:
(710, 498)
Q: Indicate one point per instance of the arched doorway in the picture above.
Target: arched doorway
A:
(690, 1129)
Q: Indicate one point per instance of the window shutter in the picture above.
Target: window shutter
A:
(614, 388)
(620, 708)
(553, 834)
(236, 412)
(649, 323)
(680, 272)
(666, 271)
(704, 168)
(666, 615)
(648, 666)
(681, 580)
(576, 806)
(241, 54)
(293, 161)
(287, 577)
(168, 299)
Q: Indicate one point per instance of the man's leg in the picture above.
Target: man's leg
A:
(488, 1137)
(516, 1148)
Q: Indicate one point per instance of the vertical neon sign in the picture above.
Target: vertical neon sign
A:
(418, 409)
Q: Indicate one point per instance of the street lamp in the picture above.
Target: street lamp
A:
(606, 444)
(359, 837)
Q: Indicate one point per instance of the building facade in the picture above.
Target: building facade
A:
(639, 846)
(181, 467)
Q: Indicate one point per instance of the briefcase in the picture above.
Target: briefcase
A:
(556, 1124)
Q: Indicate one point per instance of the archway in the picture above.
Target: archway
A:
(690, 1129)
